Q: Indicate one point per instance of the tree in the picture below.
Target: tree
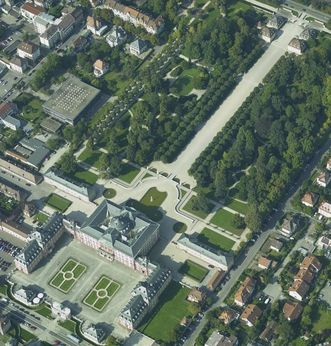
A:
(238, 222)
(253, 218)
(200, 202)
(68, 163)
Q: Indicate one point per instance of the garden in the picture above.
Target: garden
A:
(193, 270)
(58, 203)
(215, 240)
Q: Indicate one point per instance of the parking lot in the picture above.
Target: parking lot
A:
(7, 82)
(9, 247)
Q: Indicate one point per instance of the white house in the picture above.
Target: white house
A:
(296, 46)
(100, 68)
(268, 34)
(18, 64)
(28, 50)
(324, 179)
(325, 209)
(116, 37)
(11, 122)
(138, 47)
(95, 26)
(29, 11)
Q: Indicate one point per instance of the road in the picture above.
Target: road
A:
(309, 11)
(228, 108)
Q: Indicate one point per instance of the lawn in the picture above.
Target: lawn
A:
(184, 83)
(41, 217)
(128, 174)
(238, 206)
(149, 204)
(224, 219)
(199, 213)
(215, 240)
(85, 176)
(26, 335)
(45, 311)
(68, 275)
(109, 193)
(194, 270)
(167, 314)
(237, 7)
(322, 320)
(101, 293)
(91, 157)
(57, 202)
(31, 107)
(69, 325)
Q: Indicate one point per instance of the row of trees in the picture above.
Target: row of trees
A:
(275, 133)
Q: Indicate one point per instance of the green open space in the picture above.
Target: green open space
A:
(128, 173)
(45, 311)
(91, 157)
(68, 275)
(69, 325)
(224, 219)
(321, 319)
(189, 207)
(101, 293)
(41, 217)
(58, 203)
(30, 107)
(26, 335)
(172, 307)
(215, 240)
(183, 85)
(153, 197)
(238, 206)
(193, 270)
(238, 6)
(85, 176)
(109, 193)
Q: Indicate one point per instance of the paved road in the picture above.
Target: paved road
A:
(311, 12)
(229, 107)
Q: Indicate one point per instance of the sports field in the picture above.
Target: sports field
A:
(68, 275)
(101, 293)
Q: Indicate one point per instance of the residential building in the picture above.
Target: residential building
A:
(311, 263)
(275, 245)
(276, 22)
(7, 108)
(11, 123)
(305, 274)
(144, 297)
(309, 199)
(136, 17)
(80, 43)
(94, 333)
(323, 243)
(116, 37)
(29, 209)
(215, 279)
(28, 50)
(245, 291)
(42, 22)
(60, 311)
(196, 295)
(24, 295)
(100, 68)
(193, 246)
(268, 34)
(298, 290)
(292, 311)
(11, 190)
(43, 3)
(307, 34)
(325, 209)
(217, 339)
(328, 165)
(288, 227)
(5, 324)
(323, 178)
(268, 332)
(251, 314)
(66, 184)
(138, 47)
(50, 37)
(40, 244)
(18, 64)
(66, 26)
(95, 26)
(296, 46)
(30, 11)
(118, 233)
(50, 125)
(228, 315)
(264, 263)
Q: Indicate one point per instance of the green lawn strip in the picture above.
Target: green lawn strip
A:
(69, 325)
(45, 311)
(57, 202)
(67, 285)
(151, 212)
(194, 270)
(41, 217)
(129, 172)
(167, 314)
(153, 197)
(101, 303)
(69, 265)
(86, 176)
(199, 213)
(90, 298)
(238, 206)
(57, 280)
(237, 7)
(91, 157)
(26, 335)
(215, 240)
(78, 271)
(103, 283)
(224, 219)
(4, 289)
(112, 289)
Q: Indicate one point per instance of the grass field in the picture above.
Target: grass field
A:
(184, 83)
(101, 293)
(167, 314)
(68, 275)
(150, 203)
(41, 217)
(85, 176)
(69, 325)
(199, 213)
(90, 157)
(215, 240)
(128, 174)
(321, 320)
(238, 206)
(224, 219)
(26, 335)
(58, 203)
(109, 193)
(193, 270)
